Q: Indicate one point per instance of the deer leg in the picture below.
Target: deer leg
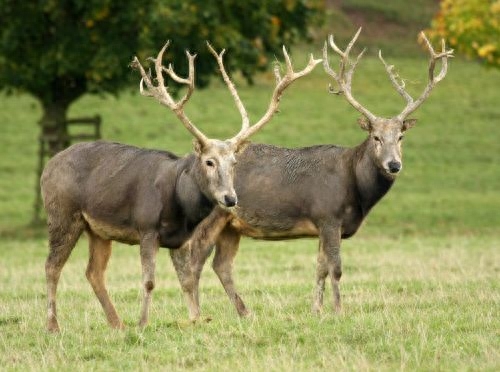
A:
(321, 274)
(181, 258)
(99, 254)
(329, 263)
(189, 263)
(62, 239)
(149, 249)
(226, 249)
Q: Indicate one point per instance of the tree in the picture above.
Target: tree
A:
(58, 50)
(472, 27)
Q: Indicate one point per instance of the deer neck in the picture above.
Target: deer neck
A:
(197, 178)
(190, 190)
(371, 182)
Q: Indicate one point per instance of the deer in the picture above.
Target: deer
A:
(323, 191)
(145, 197)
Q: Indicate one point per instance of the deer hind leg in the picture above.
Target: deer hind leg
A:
(63, 235)
(321, 274)
(149, 249)
(99, 254)
(226, 249)
(329, 263)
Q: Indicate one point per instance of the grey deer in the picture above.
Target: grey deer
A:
(322, 190)
(139, 196)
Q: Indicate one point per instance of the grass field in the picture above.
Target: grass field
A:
(421, 278)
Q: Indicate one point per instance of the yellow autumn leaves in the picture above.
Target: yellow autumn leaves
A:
(471, 27)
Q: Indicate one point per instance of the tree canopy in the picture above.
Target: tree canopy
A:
(58, 50)
(472, 27)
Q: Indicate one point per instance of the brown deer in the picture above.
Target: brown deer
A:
(140, 196)
(322, 190)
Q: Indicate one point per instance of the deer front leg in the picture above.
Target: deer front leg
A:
(227, 247)
(181, 258)
(190, 258)
(329, 263)
(149, 249)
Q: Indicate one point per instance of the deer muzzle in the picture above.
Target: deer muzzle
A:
(394, 166)
(230, 200)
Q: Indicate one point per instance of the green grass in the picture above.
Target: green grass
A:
(411, 304)
(420, 286)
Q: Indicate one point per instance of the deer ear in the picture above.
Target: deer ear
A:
(364, 123)
(408, 123)
(198, 147)
(242, 146)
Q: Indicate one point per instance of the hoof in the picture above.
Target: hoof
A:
(245, 314)
(53, 327)
(317, 309)
(119, 326)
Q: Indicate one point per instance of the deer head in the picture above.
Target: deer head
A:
(386, 134)
(216, 158)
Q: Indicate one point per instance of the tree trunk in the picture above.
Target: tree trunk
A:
(54, 131)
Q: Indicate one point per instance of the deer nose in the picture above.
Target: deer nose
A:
(394, 166)
(230, 201)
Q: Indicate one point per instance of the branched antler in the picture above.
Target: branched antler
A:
(156, 88)
(396, 80)
(245, 122)
(282, 82)
(433, 80)
(346, 71)
(160, 91)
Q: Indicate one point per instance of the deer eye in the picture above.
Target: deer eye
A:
(401, 138)
(377, 139)
(209, 163)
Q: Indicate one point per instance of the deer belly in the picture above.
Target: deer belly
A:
(300, 229)
(107, 231)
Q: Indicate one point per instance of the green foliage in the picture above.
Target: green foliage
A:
(472, 27)
(58, 50)
(252, 31)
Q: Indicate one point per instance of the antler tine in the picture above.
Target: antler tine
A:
(245, 122)
(399, 85)
(189, 81)
(281, 84)
(142, 91)
(160, 93)
(433, 80)
(344, 78)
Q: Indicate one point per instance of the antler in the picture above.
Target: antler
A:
(344, 78)
(433, 80)
(281, 84)
(346, 70)
(160, 92)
